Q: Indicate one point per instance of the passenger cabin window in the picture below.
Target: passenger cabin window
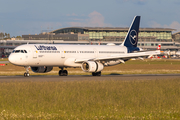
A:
(19, 51)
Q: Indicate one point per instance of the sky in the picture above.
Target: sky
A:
(22, 17)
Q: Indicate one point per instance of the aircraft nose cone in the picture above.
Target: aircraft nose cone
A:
(12, 59)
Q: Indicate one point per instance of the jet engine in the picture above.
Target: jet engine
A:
(41, 69)
(92, 66)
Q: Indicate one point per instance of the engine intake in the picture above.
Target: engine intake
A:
(92, 66)
(42, 69)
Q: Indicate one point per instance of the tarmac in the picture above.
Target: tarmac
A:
(4, 62)
(89, 77)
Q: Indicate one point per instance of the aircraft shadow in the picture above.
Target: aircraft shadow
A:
(115, 74)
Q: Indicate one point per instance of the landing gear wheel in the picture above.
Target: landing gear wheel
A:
(60, 73)
(93, 74)
(26, 74)
(96, 73)
(63, 73)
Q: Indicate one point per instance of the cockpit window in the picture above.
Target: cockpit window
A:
(19, 51)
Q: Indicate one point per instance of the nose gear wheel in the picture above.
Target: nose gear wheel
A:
(26, 74)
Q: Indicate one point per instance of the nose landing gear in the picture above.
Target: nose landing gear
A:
(26, 74)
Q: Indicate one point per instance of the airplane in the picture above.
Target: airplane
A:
(41, 58)
(178, 53)
(155, 56)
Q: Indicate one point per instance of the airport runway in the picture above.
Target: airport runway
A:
(4, 62)
(89, 77)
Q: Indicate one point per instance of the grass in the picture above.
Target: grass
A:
(3, 59)
(108, 99)
(162, 66)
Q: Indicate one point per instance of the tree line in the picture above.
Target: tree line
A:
(4, 36)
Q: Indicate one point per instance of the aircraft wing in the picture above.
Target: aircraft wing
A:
(122, 56)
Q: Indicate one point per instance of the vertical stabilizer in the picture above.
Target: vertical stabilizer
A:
(131, 39)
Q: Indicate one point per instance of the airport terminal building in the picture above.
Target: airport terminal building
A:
(149, 38)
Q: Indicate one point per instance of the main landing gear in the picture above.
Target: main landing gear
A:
(96, 73)
(63, 72)
(26, 74)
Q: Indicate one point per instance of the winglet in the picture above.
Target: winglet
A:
(131, 39)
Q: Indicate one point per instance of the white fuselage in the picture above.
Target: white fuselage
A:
(61, 55)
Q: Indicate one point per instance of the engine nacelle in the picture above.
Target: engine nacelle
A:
(41, 69)
(92, 66)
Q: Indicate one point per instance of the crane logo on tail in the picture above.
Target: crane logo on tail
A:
(133, 37)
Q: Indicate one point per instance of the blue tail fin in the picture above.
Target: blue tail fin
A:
(131, 39)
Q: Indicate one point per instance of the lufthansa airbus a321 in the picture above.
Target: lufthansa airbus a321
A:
(91, 58)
